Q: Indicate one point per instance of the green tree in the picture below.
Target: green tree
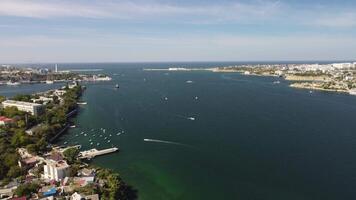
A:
(26, 189)
(71, 154)
(22, 97)
(14, 172)
(2, 98)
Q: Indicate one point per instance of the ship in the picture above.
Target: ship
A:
(117, 86)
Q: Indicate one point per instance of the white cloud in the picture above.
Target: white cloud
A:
(137, 10)
(253, 12)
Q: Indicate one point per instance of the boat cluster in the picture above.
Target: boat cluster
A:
(100, 133)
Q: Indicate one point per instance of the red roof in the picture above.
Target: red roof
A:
(5, 119)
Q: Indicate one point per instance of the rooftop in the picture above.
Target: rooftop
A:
(23, 103)
(5, 119)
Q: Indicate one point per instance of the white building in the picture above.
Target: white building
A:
(56, 170)
(33, 108)
(59, 92)
(342, 65)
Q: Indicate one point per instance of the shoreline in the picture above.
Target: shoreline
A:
(49, 133)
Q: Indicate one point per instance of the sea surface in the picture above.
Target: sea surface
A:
(250, 138)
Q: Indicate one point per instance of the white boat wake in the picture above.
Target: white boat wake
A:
(165, 142)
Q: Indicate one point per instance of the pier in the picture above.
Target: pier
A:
(89, 154)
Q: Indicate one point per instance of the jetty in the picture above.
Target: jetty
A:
(89, 154)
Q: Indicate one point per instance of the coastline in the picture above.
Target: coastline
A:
(50, 133)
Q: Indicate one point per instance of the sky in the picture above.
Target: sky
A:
(34, 31)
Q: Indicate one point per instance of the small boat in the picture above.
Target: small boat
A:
(82, 103)
(117, 86)
(97, 144)
(191, 118)
(189, 81)
(12, 83)
(73, 126)
(310, 91)
(109, 141)
(196, 98)
(276, 82)
(166, 98)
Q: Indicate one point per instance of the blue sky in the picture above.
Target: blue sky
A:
(176, 30)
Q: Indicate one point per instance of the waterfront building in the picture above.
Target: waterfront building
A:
(59, 92)
(43, 99)
(56, 170)
(33, 108)
(341, 65)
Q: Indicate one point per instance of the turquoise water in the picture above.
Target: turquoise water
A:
(251, 139)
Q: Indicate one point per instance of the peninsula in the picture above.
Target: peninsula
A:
(33, 168)
(334, 77)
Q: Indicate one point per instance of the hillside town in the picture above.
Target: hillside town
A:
(338, 77)
(13, 75)
(31, 167)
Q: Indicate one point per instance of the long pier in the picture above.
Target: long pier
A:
(89, 154)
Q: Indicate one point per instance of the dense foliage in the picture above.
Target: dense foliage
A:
(48, 124)
(26, 189)
(71, 154)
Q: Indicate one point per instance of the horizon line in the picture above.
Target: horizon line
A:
(211, 61)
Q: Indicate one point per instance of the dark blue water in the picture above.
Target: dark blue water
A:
(251, 139)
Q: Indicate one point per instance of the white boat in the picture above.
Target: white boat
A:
(352, 91)
(49, 82)
(117, 86)
(189, 81)
(276, 82)
(12, 83)
(191, 118)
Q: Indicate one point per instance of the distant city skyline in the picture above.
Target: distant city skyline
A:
(176, 30)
